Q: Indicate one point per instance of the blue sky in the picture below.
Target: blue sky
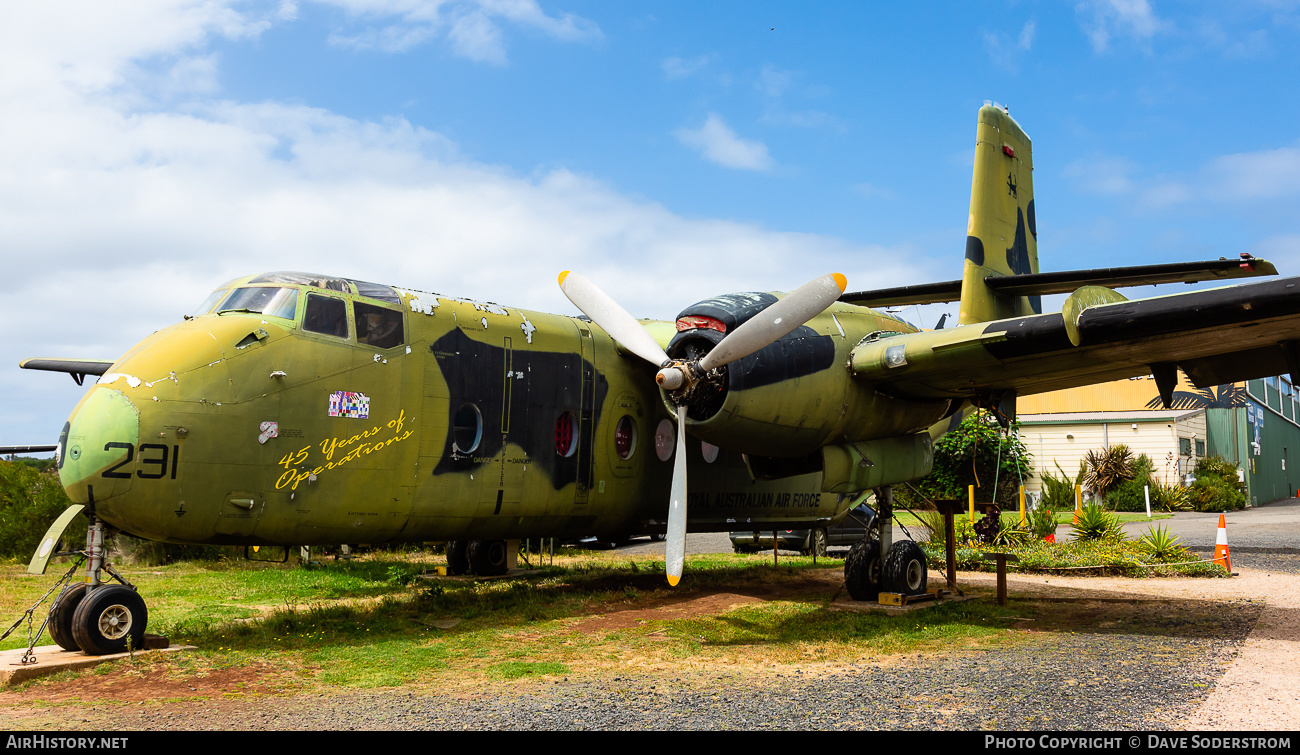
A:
(669, 151)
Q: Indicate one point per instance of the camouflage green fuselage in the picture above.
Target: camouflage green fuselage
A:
(484, 422)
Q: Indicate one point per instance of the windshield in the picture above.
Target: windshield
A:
(210, 302)
(275, 302)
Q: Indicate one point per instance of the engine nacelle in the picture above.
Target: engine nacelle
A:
(797, 394)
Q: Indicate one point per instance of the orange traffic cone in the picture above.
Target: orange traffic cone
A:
(1221, 556)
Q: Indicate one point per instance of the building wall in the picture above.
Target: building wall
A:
(1261, 434)
(1053, 442)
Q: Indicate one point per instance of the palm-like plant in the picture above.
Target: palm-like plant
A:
(1097, 524)
(1107, 469)
(1160, 544)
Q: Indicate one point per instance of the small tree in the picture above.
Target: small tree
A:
(979, 452)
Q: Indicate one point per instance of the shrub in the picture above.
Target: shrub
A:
(1130, 495)
(1042, 521)
(1216, 487)
(30, 501)
(1097, 524)
(1058, 492)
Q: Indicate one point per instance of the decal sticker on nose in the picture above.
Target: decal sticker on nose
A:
(349, 404)
(269, 430)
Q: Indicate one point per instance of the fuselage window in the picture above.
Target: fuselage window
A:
(625, 438)
(276, 302)
(378, 327)
(326, 315)
(466, 429)
(566, 434)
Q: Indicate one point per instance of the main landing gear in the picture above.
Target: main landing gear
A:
(484, 558)
(876, 564)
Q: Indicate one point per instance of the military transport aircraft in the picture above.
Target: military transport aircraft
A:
(299, 409)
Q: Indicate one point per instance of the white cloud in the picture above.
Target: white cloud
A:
(719, 144)
(1108, 175)
(676, 68)
(1003, 50)
(1104, 19)
(1265, 174)
(118, 214)
(472, 26)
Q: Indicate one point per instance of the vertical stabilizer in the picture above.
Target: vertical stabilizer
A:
(1002, 238)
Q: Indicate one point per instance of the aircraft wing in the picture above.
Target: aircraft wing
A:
(77, 368)
(1216, 336)
(1063, 282)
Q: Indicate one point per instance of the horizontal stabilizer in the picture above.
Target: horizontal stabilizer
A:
(8, 450)
(77, 368)
(1044, 284)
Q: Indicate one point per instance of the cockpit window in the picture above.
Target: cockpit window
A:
(304, 279)
(210, 302)
(327, 315)
(378, 327)
(276, 302)
(376, 291)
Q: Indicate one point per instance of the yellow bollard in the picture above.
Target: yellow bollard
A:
(1024, 518)
(971, 495)
(1078, 502)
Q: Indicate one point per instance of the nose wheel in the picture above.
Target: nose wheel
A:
(111, 619)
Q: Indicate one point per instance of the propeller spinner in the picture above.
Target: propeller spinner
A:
(678, 376)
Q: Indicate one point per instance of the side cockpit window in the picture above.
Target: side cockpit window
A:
(378, 327)
(327, 315)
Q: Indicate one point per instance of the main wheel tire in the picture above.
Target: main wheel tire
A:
(487, 558)
(107, 618)
(457, 560)
(817, 543)
(61, 614)
(862, 570)
(905, 569)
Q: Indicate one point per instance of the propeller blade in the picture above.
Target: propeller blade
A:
(675, 549)
(615, 320)
(797, 308)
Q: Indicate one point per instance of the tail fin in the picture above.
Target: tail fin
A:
(1002, 238)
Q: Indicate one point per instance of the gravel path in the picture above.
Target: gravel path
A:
(1129, 682)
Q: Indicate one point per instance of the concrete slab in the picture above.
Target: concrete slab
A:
(51, 659)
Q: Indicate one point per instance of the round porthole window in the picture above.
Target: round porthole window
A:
(466, 429)
(625, 437)
(566, 434)
(665, 440)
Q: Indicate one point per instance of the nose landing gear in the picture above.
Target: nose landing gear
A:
(92, 616)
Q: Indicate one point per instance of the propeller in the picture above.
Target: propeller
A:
(678, 376)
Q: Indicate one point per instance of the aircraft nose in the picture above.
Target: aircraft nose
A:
(98, 457)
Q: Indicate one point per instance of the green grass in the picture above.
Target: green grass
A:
(370, 623)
